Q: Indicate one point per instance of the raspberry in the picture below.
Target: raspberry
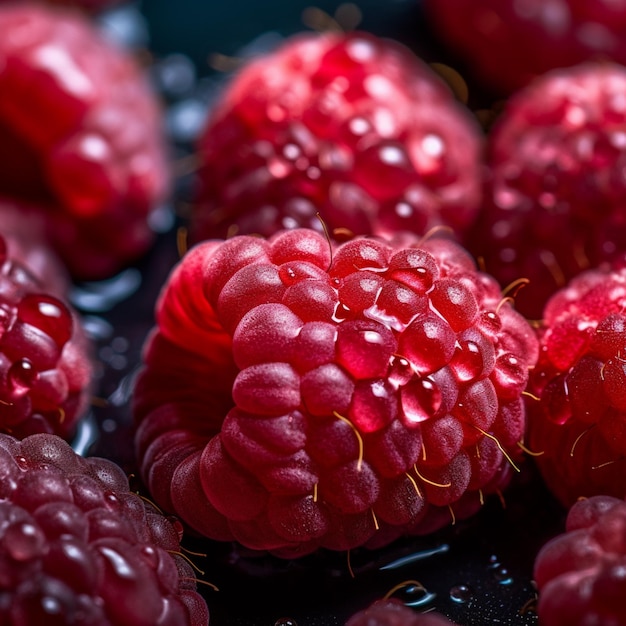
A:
(507, 43)
(579, 419)
(394, 613)
(555, 193)
(580, 574)
(348, 125)
(293, 398)
(77, 548)
(24, 228)
(80, 136)
(45, 367)
(91, 6)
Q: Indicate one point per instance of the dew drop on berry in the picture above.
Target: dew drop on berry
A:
(489, 323)
(21, 377)
(428, 342)
(400, 371)
(365, 348)
(510, 375)
(467, 362)
(420, 399)
(285, 621)
(48, 314)
(415, 268)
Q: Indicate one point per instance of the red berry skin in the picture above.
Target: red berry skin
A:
(296, 395)
(45, 358)
(507, 43)
(577, 416)
(350, 126)
(555, 192)
(580, 574)
(78, 547)
(81, 137)
(90, 6)
(395, 613)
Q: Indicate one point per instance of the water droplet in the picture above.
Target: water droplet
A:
(420, 399)
(413, 594)
(400, 371)
(461, 594)
(21, 377)
(285, 621)
(502, 575)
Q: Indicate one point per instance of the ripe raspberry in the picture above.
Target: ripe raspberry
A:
(580, 574)
(91, 6)
(580, 417)
(350, 125)
(292, 401)
(45, 369)
(554, 203)
(394, 613)
(507, 43)
(77, 548)
(80, 136)
(24, 228)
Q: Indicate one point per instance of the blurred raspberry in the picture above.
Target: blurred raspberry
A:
(580, 574)
(555, 198)
(80, 136)
(507, 43)
(45, 364)
(352, 126)
(579, 418)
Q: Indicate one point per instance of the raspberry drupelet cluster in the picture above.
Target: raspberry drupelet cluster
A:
(78, 548)
(351, 126)
(395, 613)
(507, 43)
(45, 357)
(80, 137)
(555, 192)
(578, 416)
(297, 396)
(580, 574)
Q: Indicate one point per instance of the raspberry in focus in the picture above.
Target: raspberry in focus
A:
(294, 398)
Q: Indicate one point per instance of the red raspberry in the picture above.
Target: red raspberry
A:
(292, 399)
(77, 548)
(45, 369)
(80, 135)
(348, 125)
(579, 419)
(507, 43)
(555, 197)
(91, 6)
(394, 613)
(580, 574)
